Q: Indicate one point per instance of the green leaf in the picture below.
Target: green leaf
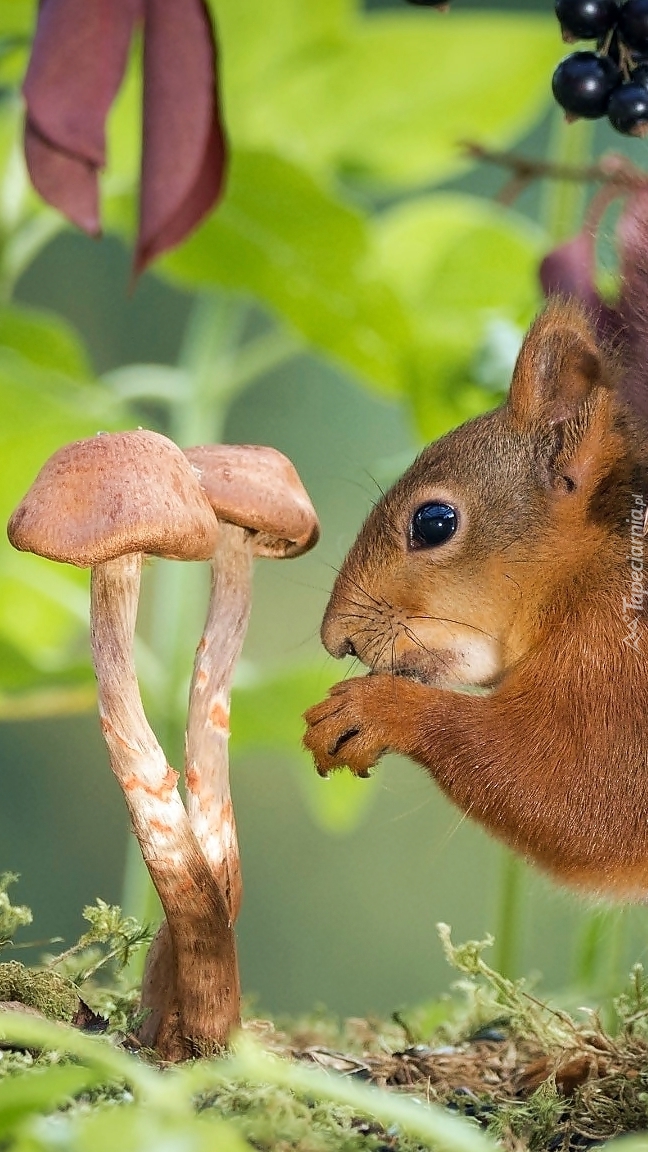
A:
(137, 1129)
(387, 97)
(44, 339)
(18, 17)
(431, 247)
(280, 237)
(37, 1092)
(17, 22)
(269, 716)
(413, 87)
(459, 265)
(45, 663)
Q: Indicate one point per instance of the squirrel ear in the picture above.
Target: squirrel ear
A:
(585, 448)
(558, 368)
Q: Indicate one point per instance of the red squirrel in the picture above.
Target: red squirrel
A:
(512, 555)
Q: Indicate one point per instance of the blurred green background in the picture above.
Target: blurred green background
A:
(411, 296)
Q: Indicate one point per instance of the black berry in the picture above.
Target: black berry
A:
(633, 25)
(431, 3)
(628, 109)
(587, 19)
(583, 83)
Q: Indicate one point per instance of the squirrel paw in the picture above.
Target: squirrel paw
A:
(342, 730)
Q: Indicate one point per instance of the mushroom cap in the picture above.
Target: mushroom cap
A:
(259, 489)
(114, 494)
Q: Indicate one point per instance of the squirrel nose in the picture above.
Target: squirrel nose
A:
(335, 637)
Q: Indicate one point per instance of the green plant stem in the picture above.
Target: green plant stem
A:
(509, 915)
(563, 203)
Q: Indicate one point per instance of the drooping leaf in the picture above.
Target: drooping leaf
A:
(77, 61)
(183, 142)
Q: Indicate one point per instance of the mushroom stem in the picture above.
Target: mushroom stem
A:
(209, 802)
(202, 941)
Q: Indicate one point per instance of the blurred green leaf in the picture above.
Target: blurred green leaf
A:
(17, 17)
(280, 237)
(22, 1097)
(423, 1020)
(44, 339)
(451, 251)
(19, 674)
(11, 165)
(45, 401)
(26, 222)
(133, 1128)
(269, 715)
(414, 87)
(17, 21)
(383, 96)
(458, 264)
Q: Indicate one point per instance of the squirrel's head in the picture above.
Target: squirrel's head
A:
(462, 564)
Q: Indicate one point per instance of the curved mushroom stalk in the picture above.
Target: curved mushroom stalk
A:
(202, 942)
(263, 510)
(209, 803)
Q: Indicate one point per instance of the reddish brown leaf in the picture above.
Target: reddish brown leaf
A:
(183, 154)
(77, 64)
(67, 182)
(569, 271)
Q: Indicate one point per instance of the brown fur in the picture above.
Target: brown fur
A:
(527, 599)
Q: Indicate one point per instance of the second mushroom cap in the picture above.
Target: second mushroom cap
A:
(258, 488)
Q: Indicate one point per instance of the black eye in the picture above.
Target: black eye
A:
(433, 524)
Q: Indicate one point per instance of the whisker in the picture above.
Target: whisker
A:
(374, 481)
(363, 591)
(449, 620)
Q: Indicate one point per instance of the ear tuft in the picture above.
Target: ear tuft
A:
(559, 366)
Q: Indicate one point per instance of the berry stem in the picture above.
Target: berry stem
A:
(614, 170)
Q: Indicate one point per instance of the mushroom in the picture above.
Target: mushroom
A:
(263, 510)
(102, 503)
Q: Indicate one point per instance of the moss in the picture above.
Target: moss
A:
(47, 992)
(273, 1119)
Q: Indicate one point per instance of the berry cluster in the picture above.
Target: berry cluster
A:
(431, 3)
(613, 80)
